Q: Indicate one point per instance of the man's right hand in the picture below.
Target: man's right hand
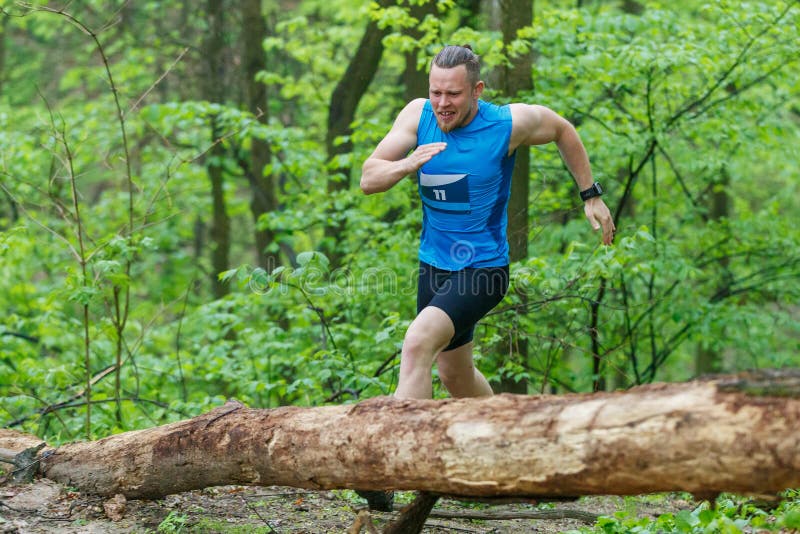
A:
(423, 154)
(390, 162)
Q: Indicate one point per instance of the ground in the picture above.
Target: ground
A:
(46, 507)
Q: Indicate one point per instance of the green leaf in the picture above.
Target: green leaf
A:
(225, 276)
(308, 258)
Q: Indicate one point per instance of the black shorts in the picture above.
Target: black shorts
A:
(465, 295)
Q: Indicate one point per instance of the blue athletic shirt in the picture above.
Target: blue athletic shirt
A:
(465, 189)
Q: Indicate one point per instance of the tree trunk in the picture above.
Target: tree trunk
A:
(709, 359)
(262, 186)
(214, 91)
(220, 221)
(415, 80)
(632, 7)
(516, 78)
(469, 12)
(734, 433)
(3, 30)
(344, 103)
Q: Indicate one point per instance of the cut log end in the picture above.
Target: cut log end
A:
(24, 463)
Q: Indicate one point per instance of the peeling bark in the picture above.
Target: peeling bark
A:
(736, 433)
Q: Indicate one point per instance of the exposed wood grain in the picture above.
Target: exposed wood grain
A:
(705, 436)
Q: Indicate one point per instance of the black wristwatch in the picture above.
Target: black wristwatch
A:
(594, 191)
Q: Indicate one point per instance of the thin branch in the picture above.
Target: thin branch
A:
(678, 176)
(217, 141)
(356, 393)
(256, 511)
(66, 427)
(20, 335)
(669, 346)
(653, 335)
(122, 296)
(654, 304)
(721, 295)
(61, 404)
(744, 88)
(598, 382)
(632, 176)
(698, 101)
(178, 341)
(547, 515)
(319, 311)
(41, 225)
(385, 365)
(153, 86)
(629, 333)
(133, 399)
(82, 261)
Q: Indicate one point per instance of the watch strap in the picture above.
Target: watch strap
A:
(594, 191)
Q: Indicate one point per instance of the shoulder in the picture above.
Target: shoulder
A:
(415, 107)
(409, 116)
(489, 112)
(403, 135)
(525, 116)
(533, 124)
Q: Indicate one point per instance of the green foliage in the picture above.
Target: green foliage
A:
(217, 526)
(729, 514)
(651, 93)
(174, 523)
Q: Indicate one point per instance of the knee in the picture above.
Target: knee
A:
(416, 346)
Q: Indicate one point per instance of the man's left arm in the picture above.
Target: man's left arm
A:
(538, 125)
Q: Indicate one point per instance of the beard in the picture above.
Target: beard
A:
(449, 126)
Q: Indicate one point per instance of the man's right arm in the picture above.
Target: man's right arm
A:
(390, 162)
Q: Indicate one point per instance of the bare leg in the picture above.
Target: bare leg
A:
(459, 375)
(428, 334)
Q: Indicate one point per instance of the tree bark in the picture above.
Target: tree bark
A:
(709, 359)
(342, 111)
(415, 80)
(214, 91)
(733, 433)
(3, 30)
(515, 78)
(262, 185)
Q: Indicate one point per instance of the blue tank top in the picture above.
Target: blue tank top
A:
(465, 189)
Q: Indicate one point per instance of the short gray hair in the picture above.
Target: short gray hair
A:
(452, 56)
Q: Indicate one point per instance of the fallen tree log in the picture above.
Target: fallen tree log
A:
(737, 433)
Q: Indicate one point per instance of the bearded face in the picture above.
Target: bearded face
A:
(453, 98)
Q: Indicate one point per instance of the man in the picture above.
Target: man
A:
(463, 156)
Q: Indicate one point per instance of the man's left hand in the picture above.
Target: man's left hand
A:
(600, 217)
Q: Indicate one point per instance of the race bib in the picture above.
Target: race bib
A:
(445, 192)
